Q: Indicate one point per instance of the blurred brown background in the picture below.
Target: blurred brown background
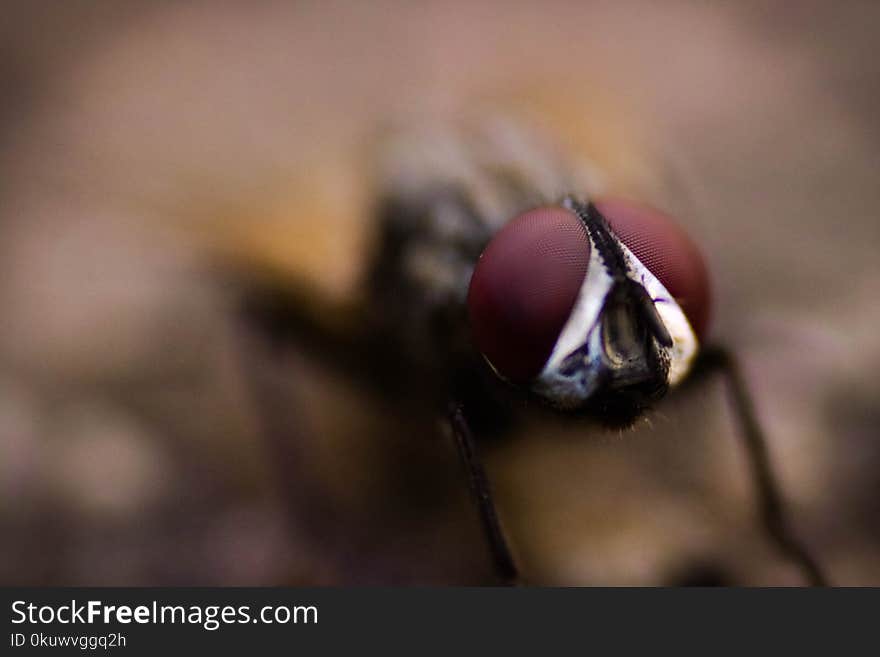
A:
(131, 449)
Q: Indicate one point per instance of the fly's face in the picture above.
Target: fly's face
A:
(582, 303)
(590, 305)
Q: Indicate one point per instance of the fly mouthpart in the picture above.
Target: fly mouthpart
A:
(632, 337)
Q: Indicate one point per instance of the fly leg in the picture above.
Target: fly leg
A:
(343, 336)
(774, 513)
(264, 362)
(276, 330)
(479, 486)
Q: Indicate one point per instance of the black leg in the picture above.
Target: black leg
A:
(339, 333)
(479, 486)
(261, 355)
(774, 514)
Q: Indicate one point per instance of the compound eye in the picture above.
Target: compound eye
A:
(668, 253)
(524, 287)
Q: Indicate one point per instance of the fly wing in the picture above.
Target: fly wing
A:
(394, 230)
(317, 226)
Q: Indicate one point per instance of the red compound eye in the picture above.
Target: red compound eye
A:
(524, 287)
(668, 253)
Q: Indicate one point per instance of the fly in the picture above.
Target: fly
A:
(501, 275)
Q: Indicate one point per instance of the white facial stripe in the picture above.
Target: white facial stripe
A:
(684, 341)
(585, 312)
(567, 391)
(582, 324)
